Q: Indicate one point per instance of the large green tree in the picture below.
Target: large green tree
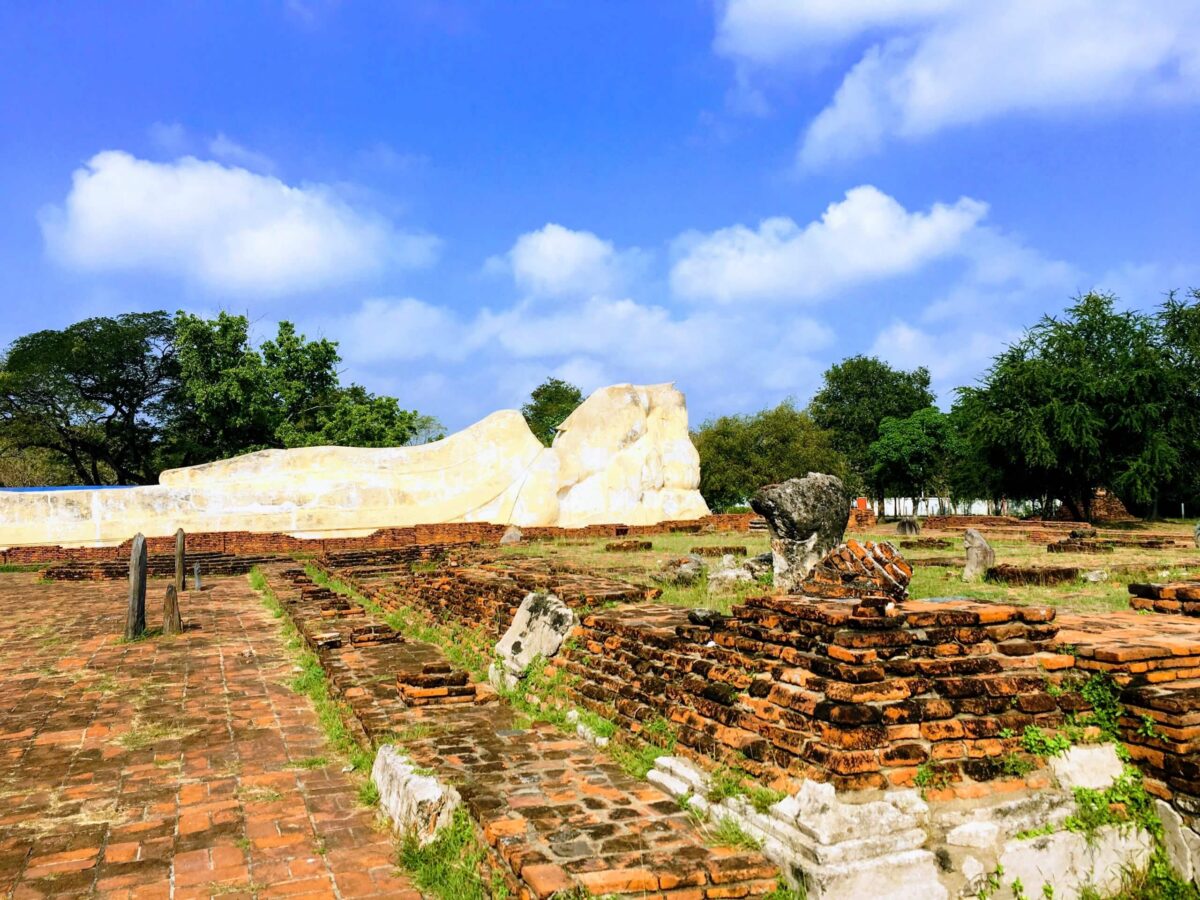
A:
(223, 405)
(1179, 319)
(549, 405)
(740, 454)
(856, 395)
(115, 400)
(93, 394)
(913, 456)
(1080, 402)
(235, 398)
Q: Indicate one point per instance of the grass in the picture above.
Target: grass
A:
(309, 762)
(448, 866)
(22, 567)
(728, 833)
(368, 793)
(332, 714)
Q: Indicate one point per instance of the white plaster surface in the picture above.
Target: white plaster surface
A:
(624, 456)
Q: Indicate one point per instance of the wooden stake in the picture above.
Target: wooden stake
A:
(172, 621)
(135, 616)
(179, 540)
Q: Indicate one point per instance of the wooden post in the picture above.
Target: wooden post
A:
(179, 539)
(135, 616)
(172, 621)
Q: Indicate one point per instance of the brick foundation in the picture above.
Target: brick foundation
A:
(246, 543)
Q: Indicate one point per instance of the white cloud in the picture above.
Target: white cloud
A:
(953, 357)
(864, 237)
(226, 148)
(495, 357)
(555, 261)
(220, 227)
(934, 64)
(773, 31)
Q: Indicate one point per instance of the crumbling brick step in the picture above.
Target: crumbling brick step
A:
(1182, 597)
(556, 813)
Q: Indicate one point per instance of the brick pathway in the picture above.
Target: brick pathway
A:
(558, 814)
(179, 768)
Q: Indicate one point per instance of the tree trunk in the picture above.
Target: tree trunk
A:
(172, 621)
(179, 573)
(135, 616)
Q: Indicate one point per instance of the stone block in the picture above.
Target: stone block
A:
(538, 629)
(417, 804)
(1067, 862)
(1094, 766)
(1179, 840)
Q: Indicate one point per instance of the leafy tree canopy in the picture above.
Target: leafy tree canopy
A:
(740, 454)
(912, 456)
(549, 405)
(93, 394)
(115, 400)
(1080, 402)
(857, 394)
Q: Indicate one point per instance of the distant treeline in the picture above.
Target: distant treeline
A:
(1098, 398)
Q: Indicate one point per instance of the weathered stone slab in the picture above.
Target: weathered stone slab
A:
(415, 804)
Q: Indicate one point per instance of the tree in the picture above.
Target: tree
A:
(356, 418)
(1079, 403)
(1179, 319)
(549, 405)
(94, 394)
(235, 399)
(913, 456)
(857, 395)
(740, 454)
(115, 400)
(224, 404)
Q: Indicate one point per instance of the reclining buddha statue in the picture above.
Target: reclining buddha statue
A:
(624, 456)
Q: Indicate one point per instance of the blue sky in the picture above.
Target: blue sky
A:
(470, 196)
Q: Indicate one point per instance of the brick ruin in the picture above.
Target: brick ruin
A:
(847, 683)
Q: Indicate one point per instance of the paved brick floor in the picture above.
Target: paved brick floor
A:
(180, 767)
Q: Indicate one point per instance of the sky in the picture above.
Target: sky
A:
(728, 194)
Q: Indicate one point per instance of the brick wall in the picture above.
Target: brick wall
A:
(271, 543)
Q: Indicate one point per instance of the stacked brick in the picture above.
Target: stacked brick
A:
(1040, 575)
(1074, 545)
(795, 687)
(926, 543)
(158, 566)
(1161, 729)
(861, 519)
(628, 546)
(873, 573)
(475, 595)
(355, 650)
(1180, 597)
